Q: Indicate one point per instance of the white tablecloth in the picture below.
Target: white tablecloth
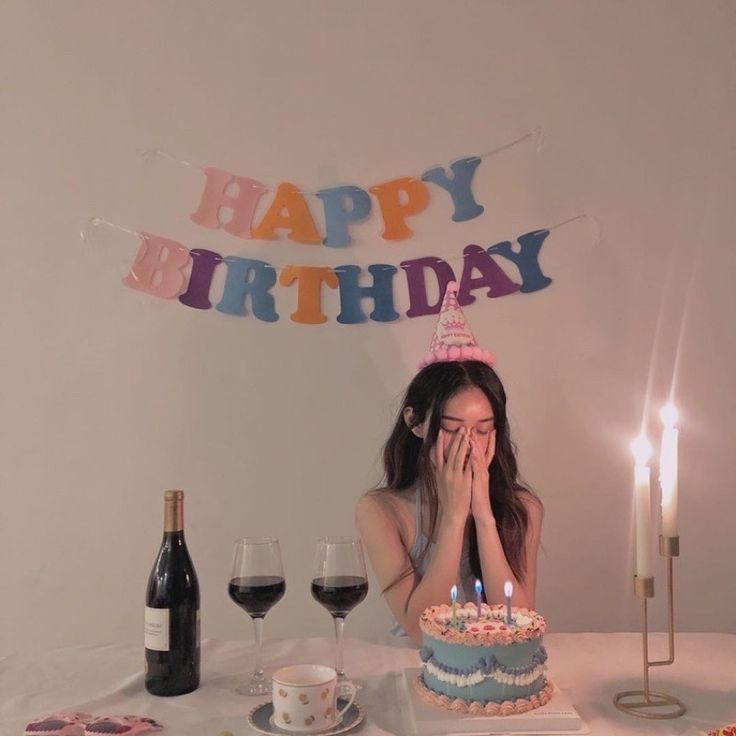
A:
(592, 668)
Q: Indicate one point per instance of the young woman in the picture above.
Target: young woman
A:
(452, 510)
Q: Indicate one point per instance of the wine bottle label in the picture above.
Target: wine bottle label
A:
(156, 630)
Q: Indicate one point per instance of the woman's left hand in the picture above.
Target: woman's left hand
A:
(480, 460)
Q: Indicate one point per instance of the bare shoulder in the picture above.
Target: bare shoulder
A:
(383, 509)
(378, 498)
(534, 509)
(382, 501)
(532, 502)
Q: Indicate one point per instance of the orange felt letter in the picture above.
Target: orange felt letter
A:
(394, 210)
(309, 295)
(289, 211)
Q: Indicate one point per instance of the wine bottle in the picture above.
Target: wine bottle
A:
(172, 610)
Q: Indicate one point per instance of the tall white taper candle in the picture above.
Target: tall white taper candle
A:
(668, 470)
(642, 449)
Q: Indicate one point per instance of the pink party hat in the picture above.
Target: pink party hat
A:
(453, 340)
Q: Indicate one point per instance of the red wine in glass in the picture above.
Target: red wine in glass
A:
(339, 583)
(339, 594)
(257, 594)
(256, 585)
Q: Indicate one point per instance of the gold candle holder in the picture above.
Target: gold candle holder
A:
(648, 703)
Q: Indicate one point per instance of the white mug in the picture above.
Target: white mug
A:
(305, 699)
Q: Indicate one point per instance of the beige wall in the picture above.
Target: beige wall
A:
(110, 396)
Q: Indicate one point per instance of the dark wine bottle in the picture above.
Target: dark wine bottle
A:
(172, 610)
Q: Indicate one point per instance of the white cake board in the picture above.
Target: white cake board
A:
(557, 717)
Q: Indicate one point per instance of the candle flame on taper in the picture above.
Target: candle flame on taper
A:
(478, 586)
(641, 449)
(508, 589)
(668, 414)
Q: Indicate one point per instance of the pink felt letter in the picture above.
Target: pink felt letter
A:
(215, 198)
(158, 267)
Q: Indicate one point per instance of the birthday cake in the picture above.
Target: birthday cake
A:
(482, 664)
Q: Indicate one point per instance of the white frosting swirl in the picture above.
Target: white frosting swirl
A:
(475, 678)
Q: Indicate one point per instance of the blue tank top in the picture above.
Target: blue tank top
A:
(466, 578)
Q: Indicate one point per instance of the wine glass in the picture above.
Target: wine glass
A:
(256, 584)
(339, 583)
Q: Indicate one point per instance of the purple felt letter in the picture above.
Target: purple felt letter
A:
(418, 301)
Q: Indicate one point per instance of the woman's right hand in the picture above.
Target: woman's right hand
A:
(453, 474)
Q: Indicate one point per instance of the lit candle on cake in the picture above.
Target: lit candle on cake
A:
(453, 598)
(668, 470)
(478, 591)
(641, 449)
(508, 590)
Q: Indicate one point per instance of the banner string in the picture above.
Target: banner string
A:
(149, 155)
(536, 134)
(94, 222)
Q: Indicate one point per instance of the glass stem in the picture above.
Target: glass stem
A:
(339, 625)
(258, 626)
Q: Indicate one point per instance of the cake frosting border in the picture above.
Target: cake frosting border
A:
(476, 707)
(430, 626)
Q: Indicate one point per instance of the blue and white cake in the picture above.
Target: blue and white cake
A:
(477, 662)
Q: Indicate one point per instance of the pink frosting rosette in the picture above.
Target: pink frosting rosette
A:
(475, 707)
(121, 726)
(59, 724)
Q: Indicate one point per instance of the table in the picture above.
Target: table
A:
(108, 680)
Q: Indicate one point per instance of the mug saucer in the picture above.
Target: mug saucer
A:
(261, 720)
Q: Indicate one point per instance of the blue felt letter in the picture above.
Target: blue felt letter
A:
(381, 292)
(239, 284)
(337, 214)
(458, 187)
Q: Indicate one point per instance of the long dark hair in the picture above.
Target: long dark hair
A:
(407, 458)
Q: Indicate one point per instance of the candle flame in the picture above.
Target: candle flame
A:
(453, 592)
(668, 415)
(641, 449)
(478, 586)
(508, 589)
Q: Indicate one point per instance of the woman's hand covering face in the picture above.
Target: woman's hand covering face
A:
(480, 462)
(453, 473)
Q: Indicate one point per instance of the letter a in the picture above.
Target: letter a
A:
(289, 211)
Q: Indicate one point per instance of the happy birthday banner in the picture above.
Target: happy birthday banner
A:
(166, 269)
